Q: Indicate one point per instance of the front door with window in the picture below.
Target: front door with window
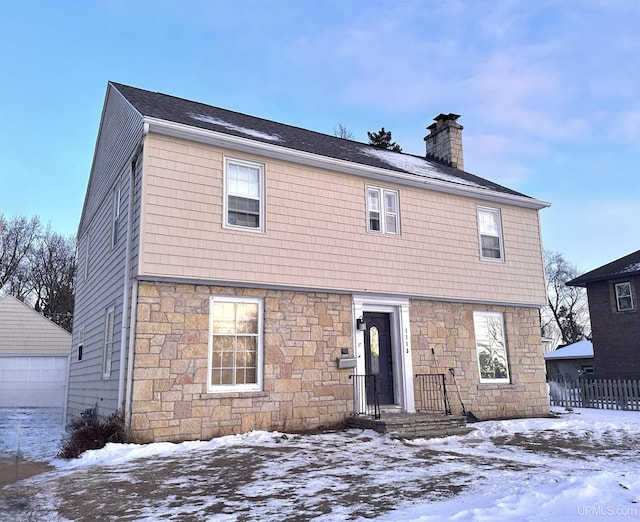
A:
(377, 349)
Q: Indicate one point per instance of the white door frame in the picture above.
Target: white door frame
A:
(400, 344)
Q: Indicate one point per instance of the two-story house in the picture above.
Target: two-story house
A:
(234, 273)
(612, 292)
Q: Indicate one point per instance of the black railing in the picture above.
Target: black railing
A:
(365, 397)
(431, 393)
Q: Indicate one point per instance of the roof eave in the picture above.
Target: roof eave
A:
(578, 281)
(179, 130)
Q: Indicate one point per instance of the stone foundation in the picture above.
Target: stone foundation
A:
(303, 389)
(447, 329)
(304, 333)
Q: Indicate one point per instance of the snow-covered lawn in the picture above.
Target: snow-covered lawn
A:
(580, 466)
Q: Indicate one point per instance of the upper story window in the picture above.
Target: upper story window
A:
(235, 344)
(624, 300)
(490, 232)
(491, 347)
(383, 214)
(244, 194)
(115, 221)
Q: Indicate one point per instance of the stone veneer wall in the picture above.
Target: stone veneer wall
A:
(303, 388)
(447, 328)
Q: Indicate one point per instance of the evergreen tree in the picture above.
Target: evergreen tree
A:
(382, 140)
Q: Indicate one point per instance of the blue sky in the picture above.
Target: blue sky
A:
(548, 91)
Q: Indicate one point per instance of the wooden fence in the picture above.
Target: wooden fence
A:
(595, 393)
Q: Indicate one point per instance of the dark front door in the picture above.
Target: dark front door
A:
(377, 350)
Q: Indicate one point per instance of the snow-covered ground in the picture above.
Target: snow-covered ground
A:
(582, 465)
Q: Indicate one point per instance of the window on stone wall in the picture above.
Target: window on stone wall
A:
(235, 344)
(491, 347)
(624, 300)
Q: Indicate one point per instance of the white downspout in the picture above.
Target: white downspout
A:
(127, 332)
(125, 294)
(132, 340)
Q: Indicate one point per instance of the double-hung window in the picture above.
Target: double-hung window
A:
(115, 220)
(383, 213)
(490, 232)
(491, 347)
(80, 343)
(109, 333)
(624, 300)
(244, 194)
(235, 344)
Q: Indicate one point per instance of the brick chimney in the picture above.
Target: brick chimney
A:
(444, 141)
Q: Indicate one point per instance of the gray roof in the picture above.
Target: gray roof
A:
(194, 114)
(628, 265)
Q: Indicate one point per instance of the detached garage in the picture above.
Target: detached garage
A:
(34, 358)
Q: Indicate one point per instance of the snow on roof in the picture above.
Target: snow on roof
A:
(633, 267)
(581, 349)
(231, 126)
(414, 165)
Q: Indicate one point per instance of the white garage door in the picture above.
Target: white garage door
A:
(33, 381)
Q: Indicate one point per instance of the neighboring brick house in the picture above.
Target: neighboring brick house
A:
(613, 291)
(234, 273)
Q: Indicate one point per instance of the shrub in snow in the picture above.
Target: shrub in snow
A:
(90, 432)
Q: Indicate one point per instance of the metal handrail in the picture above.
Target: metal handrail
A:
(432, 393)
(365, 396)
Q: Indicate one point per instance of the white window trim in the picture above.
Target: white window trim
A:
(262, 215)
(507, 379)
(81, 344)
(228, 388)
(383, 214)
(618, 296)
(500, 234)
(109, 338)
(86, 256)
(400, 345)
(115, 219)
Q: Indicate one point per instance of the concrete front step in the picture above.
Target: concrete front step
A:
(412, 425)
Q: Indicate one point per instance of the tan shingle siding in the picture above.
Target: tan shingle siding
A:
(316, 233)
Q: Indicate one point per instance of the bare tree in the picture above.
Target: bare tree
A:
(566, 317)
(342, 132)
(17, 238)
(53, 269)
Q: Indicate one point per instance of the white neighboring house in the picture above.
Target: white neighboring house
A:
(34, 358)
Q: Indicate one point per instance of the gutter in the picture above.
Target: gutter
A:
(209, 137)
